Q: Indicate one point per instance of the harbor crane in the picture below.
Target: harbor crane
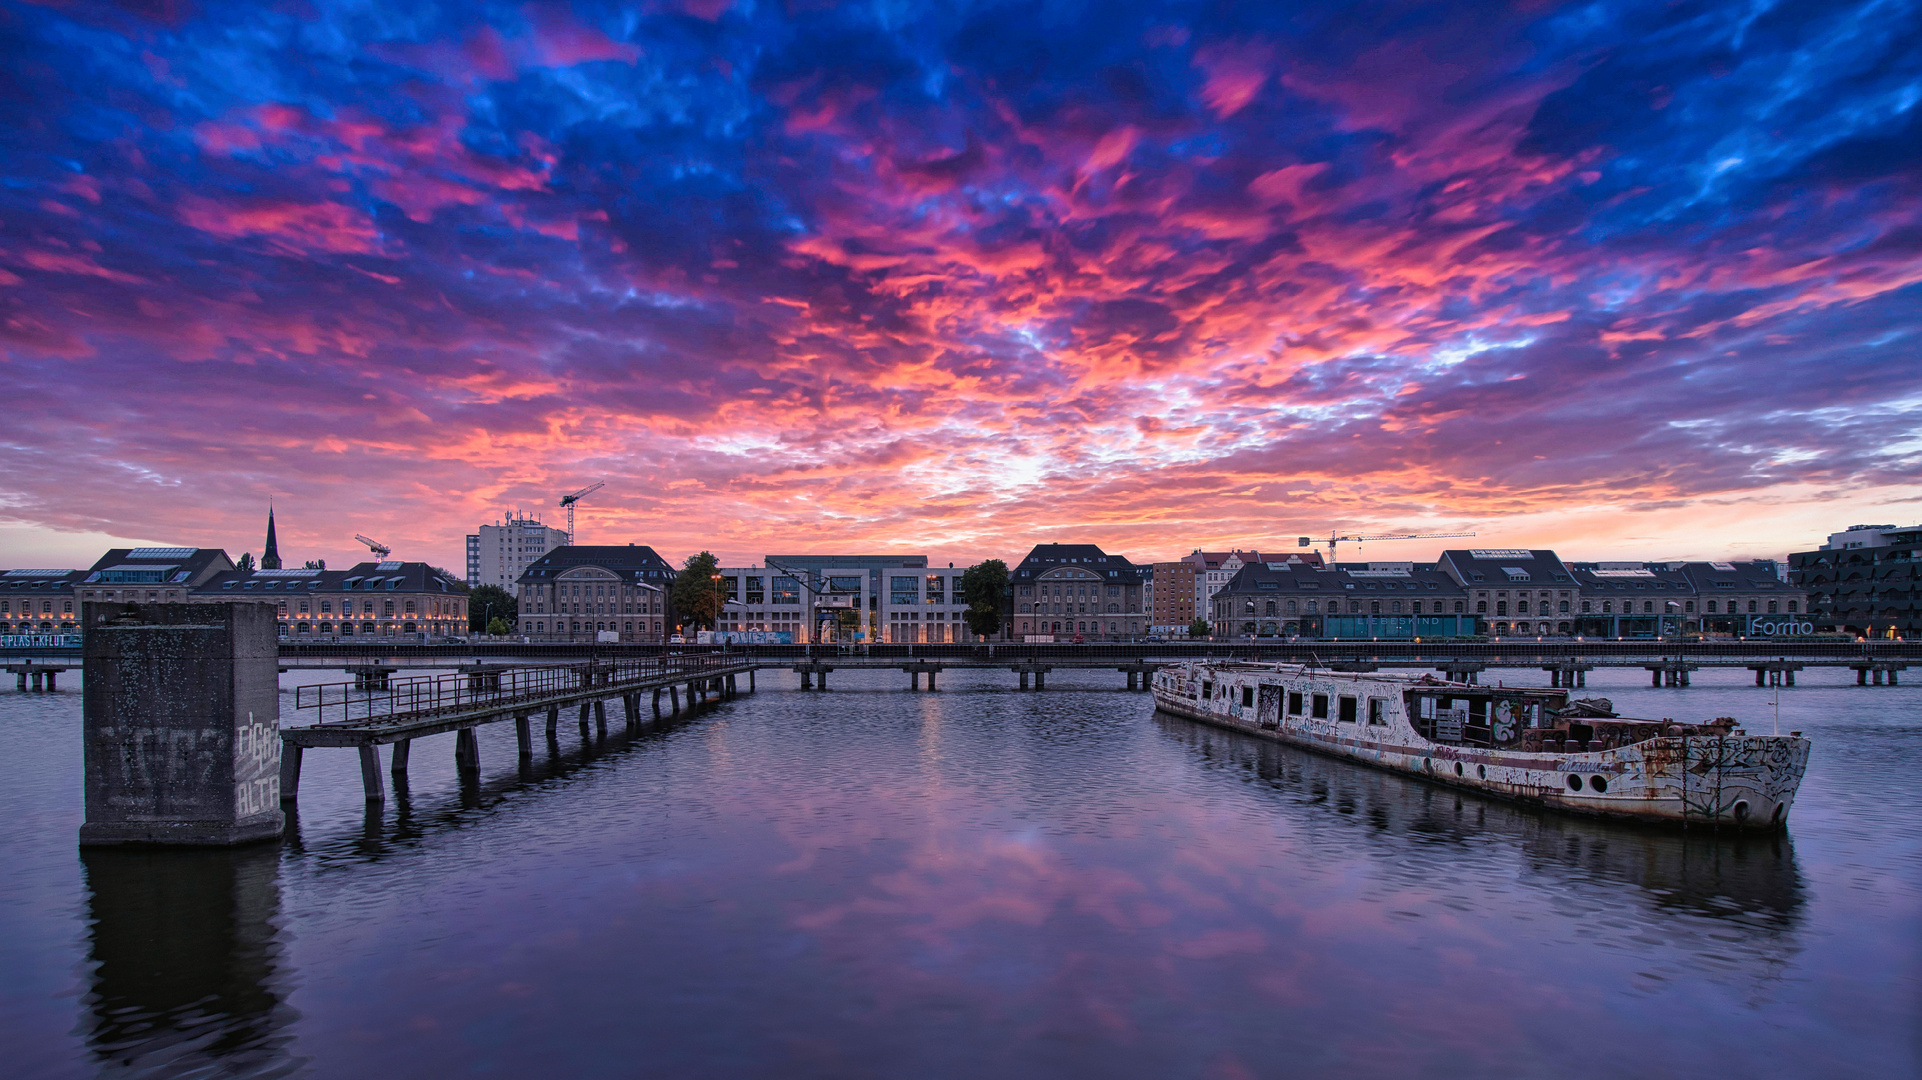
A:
(379, 549)
(1331, 540)
(571, 498)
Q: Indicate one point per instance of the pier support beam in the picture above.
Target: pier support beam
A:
(524, 734)
(1023, 673)
(657, 703)
(398, 761)
(586, 710)
(466, 751)
(553, 722)
(370, 774)
(181, 723)
(289, 771)
(674, 700)
(600, 717)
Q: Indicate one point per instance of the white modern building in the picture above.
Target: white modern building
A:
(830, 598)
(500, 553)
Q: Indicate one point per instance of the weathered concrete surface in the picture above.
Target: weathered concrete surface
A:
(182, 724)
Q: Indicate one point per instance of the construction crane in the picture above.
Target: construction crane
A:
(375, 546)
(569, 500)
(1331, 541)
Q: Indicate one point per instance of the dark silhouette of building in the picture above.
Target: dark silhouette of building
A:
(270, 557)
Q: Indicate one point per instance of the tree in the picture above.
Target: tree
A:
(489, 604)
(498, 626)
(460, 586)
(246, 561)
(985, 584)
(1199, 628)
(315, 564)
(693, 593)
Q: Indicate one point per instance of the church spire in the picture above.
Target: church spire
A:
(270, 558)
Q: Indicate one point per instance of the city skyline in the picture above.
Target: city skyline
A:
(1619, 282)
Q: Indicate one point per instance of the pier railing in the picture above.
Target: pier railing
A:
(412, 697)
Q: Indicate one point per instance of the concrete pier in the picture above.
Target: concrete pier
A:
(181, 724)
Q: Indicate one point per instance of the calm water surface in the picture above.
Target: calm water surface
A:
(976, 882)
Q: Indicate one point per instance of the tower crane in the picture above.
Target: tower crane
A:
(1332, 540)
(570, 499)
(379, 549)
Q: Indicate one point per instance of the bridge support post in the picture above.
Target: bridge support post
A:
(181, 724)
(289, 771)
(931, 674)
(1023, 673)
(806, 684)
(39, 682)
(1894, 674)
(914, 679)
(466, 751)
(1878, 676)
(823, 680)
(370, 774)
(1040, 678)
(22, 674)
(600, 717)
(524, 735)
(750, 680)
(1760, 673)
(586, 708)
(53, 681)
(553, 722)
(398, 762)
(733, 686)
(1788, 677)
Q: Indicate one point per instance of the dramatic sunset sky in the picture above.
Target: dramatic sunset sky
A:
(1632, 280)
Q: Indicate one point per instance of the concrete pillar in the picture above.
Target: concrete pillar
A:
(1040, 679)
(1878, 676)
(524, 735)
(553, 721)
(600, 718)
(932, 672)
(398, 764)
(1861, 676)
(466, 750)
(586, 710)
(824, 678)
(53, 680)
(289, 771)
(1581, 678)
(914, 679)
(181, 723)
(733, 686)
(1894, 675)
(22, 675)
(1788, 677)
(750, 680)
(370, 773)
(657, 703)
(1657, 673)
(1023, 673)
(38, 683)
(805, 684)
(674, 699)
(1759, 674)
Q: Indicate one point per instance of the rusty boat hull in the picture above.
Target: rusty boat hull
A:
(1710, 776)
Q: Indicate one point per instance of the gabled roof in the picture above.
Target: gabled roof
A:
(158, 566)
(390, 576)
(1045, 557)
(637, 563)
(1271, 578)
(39, 581)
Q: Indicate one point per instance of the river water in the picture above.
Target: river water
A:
(975, 882)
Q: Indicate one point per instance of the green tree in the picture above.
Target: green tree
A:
(1198, 628)
(491, 603)
(985, 584)
(693, 594)
(498, 626)
(246, 561)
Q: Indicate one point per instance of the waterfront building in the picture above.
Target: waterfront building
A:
(152, 575)
(824, 598)
(500, 553)
(1214, 569)
(38, 601)
(1866, 580)
(577, 592)
(1069, 589)
(1631, 599)
(1373, 600)
(390, 600)
(1519, 592)
(1170, 594)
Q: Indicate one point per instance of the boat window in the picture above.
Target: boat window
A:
(1347, 710)
(1247, 697)
(1376, 712)
(1427, 708)
(1321, 706)
(1207, 690)
(1294, 703)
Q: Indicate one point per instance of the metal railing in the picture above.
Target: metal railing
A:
(394, 699)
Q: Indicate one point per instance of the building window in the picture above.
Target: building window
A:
(1481, 607)
(1791, 607)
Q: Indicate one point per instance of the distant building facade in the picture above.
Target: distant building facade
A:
(1866, 580)
(1371, 600)
(1172, 591)
(499, 554)
(577, 592)
(39, 601)
(391, 600)
(1069, 589)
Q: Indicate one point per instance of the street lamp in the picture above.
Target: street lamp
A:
(715, 622)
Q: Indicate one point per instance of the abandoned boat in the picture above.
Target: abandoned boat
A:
(1524, 743)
